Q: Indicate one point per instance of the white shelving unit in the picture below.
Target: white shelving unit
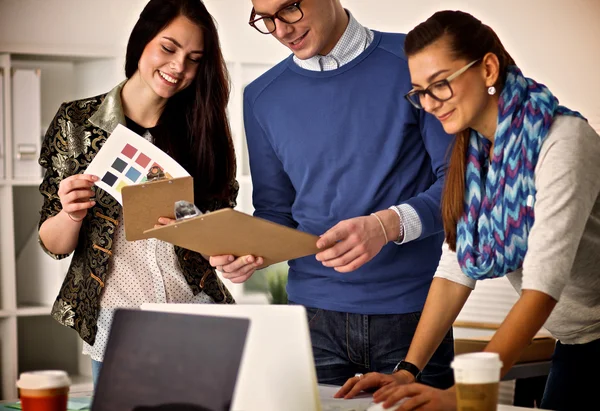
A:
(29, 280)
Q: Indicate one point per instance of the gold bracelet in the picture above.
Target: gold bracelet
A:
(382, 227)
(72, 219)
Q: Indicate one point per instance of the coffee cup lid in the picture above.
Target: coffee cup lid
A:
(477, 360)
(40, 380)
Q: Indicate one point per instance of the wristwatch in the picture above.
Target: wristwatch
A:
(408, 366)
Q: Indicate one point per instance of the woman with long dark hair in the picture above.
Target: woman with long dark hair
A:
(521, 199)
(175, 96)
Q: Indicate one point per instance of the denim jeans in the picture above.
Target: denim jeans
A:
(345, 344)
(96, 365)
(573, 378)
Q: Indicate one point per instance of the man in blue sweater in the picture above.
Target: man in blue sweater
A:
(335, 149)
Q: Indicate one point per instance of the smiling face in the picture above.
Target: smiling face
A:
(169, 62)
(470, 103)
(317, 32)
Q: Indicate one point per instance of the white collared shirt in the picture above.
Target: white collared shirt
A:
(354, 41)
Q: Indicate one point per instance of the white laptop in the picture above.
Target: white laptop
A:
(277, 370)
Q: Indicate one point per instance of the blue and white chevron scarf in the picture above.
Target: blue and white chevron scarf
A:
(499, 194)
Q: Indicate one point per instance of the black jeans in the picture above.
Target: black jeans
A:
(345, 344)
(574, 377)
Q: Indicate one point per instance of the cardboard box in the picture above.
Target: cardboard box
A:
(540, 349)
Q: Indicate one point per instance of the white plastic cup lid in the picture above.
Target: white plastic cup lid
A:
(477, 360)
(477, 368)
(43, 380)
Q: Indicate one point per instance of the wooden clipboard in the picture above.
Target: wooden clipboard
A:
(228, 231)
(144, 203)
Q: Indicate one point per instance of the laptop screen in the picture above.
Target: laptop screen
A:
(164, 361)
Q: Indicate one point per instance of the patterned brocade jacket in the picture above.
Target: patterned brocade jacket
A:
(76, 134)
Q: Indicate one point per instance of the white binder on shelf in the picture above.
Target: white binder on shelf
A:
(2, 125)
(26, 123)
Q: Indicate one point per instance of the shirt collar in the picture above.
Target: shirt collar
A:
(354, 41)
(110, 113)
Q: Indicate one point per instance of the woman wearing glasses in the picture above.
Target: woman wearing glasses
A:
(521, 199)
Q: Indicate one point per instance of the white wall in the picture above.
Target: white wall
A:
(555, 41)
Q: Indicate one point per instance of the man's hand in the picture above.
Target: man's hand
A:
(352, 243)
(237, 270)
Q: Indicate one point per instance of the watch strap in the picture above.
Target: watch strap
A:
(408, 366)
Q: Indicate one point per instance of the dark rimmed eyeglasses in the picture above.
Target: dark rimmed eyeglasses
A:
(290, 14)
(440, 90)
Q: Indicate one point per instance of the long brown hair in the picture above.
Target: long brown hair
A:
(468, 39)
(193, 127)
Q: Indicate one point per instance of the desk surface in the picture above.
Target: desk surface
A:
(363, 402)
(501, 407)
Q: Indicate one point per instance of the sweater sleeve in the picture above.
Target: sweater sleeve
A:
(272, 191)
(567, 184)
(427, 203)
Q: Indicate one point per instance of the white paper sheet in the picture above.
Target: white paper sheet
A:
(126, 158)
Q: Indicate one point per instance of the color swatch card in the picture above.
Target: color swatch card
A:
(127, 158)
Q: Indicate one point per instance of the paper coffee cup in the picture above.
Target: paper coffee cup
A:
(477, 376)
(44, 390)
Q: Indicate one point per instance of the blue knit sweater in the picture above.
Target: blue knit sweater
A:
(328, 146)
